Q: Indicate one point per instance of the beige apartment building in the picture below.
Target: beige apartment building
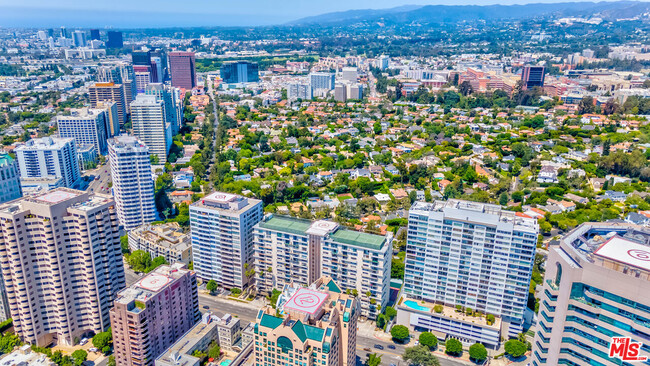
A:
(224, 330)
(315, 325)
(62, 264)
(109, 92)
(153, 313)
(596, 287)
(163, 240)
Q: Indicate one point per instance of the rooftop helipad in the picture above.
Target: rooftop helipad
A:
(626, 251)
(154, 282)
(56, 196)
(306, 301)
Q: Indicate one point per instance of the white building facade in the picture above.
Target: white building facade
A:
(221, 226)
(148, 118)
(471, 254)
(171, 97)
(595, 288)
(86, 126)
(133, 186)
(47, 157)
(301, 251)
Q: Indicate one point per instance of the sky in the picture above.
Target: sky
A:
(169, 13)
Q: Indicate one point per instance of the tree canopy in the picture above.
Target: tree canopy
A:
(477, 352)
(373, 360)
(515, 348)
(453, 347)
(428, 339)
(399, 332)
(420, 356)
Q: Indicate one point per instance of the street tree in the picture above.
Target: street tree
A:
(453, 347)
(420, 356)
(399, 333)
(477, 352)
(515, 348)
(428, 339)
(211, 286)
(373, 360)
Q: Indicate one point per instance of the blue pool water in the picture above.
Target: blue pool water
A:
(415, 306)
(225, 362)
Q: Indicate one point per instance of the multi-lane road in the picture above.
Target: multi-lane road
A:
(101, 184)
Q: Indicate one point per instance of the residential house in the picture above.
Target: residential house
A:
(547, 174)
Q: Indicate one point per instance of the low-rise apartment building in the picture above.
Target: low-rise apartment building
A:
(166, 240)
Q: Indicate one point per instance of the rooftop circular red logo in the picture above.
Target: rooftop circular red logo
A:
(639, 254)
(306, 300)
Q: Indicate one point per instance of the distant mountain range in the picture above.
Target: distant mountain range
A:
(441, 14)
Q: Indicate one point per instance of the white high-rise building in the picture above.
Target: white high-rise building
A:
(86, 127)
(171, 97)
(341, 92)
(299, 91)
(9, 178)
(383, 62)
(142, 79)
(354, 91)
(42, 35)
(595, 288)
(148, 118)
(49, 157)
(471, 254)
(322, 80)
(133, 186)
(349, 74)
(290, 250)
(79, 38)
(222, 237)
(63, 264)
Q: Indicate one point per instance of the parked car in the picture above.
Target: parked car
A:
(83, 341)
(93, 349)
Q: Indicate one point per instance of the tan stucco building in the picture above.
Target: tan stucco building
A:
(315, 325)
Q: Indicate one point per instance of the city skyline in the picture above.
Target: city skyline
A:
(126, 14)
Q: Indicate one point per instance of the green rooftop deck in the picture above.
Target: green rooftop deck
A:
(359, 239)
(287, 224)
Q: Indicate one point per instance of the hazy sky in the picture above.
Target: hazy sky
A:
(165, 13)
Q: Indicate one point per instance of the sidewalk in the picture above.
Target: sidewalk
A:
(256, 303)
(368, 329)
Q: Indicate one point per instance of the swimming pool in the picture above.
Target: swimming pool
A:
(225, 362)
(415, 306)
